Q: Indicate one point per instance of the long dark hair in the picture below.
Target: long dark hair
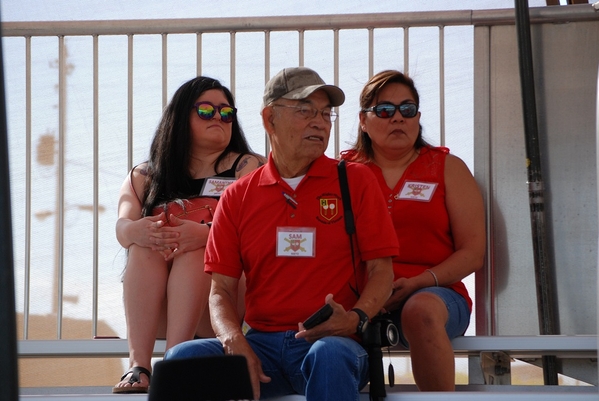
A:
(167, 169)
(362, 149)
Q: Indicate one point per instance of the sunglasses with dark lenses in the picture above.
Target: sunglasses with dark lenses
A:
(207, 110)
(387, 110)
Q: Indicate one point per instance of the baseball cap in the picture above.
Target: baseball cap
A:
(299, 83)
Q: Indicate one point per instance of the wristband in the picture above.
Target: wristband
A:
(363, 323)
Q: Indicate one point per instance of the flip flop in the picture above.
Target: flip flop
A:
(135, 371)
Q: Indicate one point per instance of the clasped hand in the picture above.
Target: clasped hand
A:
(178, 237)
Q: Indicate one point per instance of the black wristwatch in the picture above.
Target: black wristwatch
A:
(363, 323)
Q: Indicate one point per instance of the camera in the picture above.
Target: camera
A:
(380, 332)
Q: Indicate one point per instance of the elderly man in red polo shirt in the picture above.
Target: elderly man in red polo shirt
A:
(283, 226)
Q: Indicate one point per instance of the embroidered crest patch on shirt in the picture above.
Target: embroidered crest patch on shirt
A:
(329, 207)
(215, 186)
(419, 191)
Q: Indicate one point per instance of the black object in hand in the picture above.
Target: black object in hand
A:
(319, 316)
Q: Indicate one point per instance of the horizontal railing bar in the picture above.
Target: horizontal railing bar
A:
(574, 346)
(306, 22)
(212, 25)
(523, 343)
(108, 348)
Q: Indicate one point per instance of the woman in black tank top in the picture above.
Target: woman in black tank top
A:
(162, 216)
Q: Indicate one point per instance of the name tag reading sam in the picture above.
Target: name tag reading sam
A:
(215, 186)
(296, 242)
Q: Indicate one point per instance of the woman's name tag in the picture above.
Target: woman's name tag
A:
(215, 186)
(420, 191)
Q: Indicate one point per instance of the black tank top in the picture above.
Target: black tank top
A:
(193, 186)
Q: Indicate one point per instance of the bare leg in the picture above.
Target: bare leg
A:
(423, 322)
(144, 291)
(187, 297)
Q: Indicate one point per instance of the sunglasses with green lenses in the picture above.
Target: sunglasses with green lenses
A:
(207, 110)
(387, 110)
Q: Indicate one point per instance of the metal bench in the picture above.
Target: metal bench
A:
(578, 346)
(489, 356)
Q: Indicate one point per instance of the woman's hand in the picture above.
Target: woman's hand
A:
(180, 237)
(144, 232)
(402, 289)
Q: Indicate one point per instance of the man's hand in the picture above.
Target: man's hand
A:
(236, 344)
(341, 323)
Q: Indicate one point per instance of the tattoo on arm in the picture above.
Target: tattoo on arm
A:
(242, 164)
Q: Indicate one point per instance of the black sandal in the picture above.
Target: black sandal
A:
(135, 371)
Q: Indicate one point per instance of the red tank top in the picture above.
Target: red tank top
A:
(420, 218)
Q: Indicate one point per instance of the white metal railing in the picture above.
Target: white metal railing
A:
(20, 39)
(132, 29)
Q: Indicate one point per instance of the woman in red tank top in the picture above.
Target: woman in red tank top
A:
(438, 215)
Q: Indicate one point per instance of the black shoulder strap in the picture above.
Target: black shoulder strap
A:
(350, 227)
(375, 356)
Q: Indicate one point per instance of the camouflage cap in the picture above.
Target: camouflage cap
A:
(299, 83)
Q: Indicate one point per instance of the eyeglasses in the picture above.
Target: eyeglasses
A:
(207, 110)
(387, 110)
(308, 112)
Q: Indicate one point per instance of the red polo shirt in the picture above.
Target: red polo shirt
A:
(287, 285)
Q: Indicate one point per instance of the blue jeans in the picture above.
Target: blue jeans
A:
(332, 368)
(459, 313)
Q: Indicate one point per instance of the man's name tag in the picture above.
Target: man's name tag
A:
(419, 191)
(296, 242)
(215, 186)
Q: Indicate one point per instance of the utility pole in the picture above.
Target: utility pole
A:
(46, 156)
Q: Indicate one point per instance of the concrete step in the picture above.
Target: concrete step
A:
(397, 393)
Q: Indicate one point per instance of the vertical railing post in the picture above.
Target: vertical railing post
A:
(60, 189)
(129, 102)
(27, 272)
(266, 79)
(96, 175)
(597, 164)
(442, 85)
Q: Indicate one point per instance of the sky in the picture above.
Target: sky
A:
(147, 111)
(66, 10)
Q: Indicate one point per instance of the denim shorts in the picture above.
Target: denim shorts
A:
(459, 313)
